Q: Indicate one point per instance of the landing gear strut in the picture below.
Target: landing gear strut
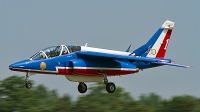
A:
(110, 87)
(28, 84)
(82, 87)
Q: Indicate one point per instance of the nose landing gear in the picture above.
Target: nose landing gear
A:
(27, 84)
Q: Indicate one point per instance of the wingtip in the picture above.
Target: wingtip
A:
(189, 66)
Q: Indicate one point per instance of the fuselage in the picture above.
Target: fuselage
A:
(87, 62)
(72, 64)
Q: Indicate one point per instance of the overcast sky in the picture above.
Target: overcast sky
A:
(29, 26)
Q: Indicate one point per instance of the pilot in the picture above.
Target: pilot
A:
(42, 56)
(52, 53)
(57, 53)
(70, 50)
(64, 51)
(48, 53)
(57, 50)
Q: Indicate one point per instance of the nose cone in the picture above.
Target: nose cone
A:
(16, 65)
(19, 65)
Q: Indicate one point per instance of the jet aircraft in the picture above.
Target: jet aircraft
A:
(87, 64)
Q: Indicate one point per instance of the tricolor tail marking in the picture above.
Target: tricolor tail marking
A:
(158, 49)
(164, 45)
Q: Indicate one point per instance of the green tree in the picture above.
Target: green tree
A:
(151, 101)
(13, 94)
(15, 97)
(184, 103)
(98, 100)
(63, 104)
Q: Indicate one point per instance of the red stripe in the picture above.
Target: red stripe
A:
(64, 71)
(162, 50)
(34, 71)
(91, 72)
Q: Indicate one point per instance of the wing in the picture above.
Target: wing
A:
(131, 58)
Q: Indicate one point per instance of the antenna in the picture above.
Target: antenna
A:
(128, 49)
(85, 44)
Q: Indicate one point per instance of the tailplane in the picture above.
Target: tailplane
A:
(156, 47)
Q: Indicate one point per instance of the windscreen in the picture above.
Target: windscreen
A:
(50, 52)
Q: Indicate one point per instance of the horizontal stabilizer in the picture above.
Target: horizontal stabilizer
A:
(172, 64)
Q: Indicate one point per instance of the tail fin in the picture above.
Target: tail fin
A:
(157, 45)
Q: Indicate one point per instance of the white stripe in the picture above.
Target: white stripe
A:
(158, 43)
(101, 68)
(83, 48)
(32, 70)
(94, 68)
(63, 68)
(97, 68)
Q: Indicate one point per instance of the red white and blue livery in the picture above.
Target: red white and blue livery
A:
(87, 64)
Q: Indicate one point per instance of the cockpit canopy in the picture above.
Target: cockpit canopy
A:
(54, 51)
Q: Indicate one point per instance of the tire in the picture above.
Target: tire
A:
(110, 87)
(28, 85)
(82, 89)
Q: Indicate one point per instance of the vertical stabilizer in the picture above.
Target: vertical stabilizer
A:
(157, 45)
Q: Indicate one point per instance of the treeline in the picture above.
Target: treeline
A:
(14, 97)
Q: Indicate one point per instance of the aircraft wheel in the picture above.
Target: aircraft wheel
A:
(110, 87)
(28, 85)
(82, 88)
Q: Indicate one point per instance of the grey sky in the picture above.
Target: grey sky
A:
(28, 26)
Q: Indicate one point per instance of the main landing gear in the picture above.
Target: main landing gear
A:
(82, 87)
(28, 84)
(110, 87)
